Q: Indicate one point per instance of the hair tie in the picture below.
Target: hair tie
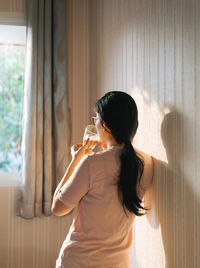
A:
(127, 142)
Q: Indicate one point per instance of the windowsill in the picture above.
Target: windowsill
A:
(9, 179)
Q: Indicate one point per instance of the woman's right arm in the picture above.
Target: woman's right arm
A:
(146, 179)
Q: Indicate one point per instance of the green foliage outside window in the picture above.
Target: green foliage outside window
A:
(12, 67)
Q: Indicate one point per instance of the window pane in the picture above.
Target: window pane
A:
(12, 67)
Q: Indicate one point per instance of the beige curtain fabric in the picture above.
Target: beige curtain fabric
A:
(46, 134)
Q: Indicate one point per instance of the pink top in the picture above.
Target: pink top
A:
(100, 235)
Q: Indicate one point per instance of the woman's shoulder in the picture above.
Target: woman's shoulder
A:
(148, 159)
(93, 156)
(99, 158)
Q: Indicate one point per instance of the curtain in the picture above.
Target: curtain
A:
(46, 122)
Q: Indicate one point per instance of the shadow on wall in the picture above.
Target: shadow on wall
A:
(173, 194)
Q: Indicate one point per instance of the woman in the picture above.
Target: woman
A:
(107, 187)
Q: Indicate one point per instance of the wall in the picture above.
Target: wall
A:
(12, 12)
(151, 50)
(12, 6)
(78, 62)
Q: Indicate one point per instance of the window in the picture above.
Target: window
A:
(12, 68)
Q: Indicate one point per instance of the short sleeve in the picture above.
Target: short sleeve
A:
(77, 185)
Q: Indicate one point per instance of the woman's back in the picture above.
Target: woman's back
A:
(101, 233)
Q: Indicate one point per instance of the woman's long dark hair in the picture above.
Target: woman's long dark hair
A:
(119, 111)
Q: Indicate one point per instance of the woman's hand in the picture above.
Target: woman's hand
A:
(79, 150)
(104, 146)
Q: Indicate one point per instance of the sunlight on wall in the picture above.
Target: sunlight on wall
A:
(150, 116)
(147, 245)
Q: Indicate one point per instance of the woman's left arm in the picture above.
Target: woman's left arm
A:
(58, 207)
(66, 176)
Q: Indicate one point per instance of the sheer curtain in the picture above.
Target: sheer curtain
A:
(46, 116)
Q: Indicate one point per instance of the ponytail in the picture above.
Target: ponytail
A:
(131, 167)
